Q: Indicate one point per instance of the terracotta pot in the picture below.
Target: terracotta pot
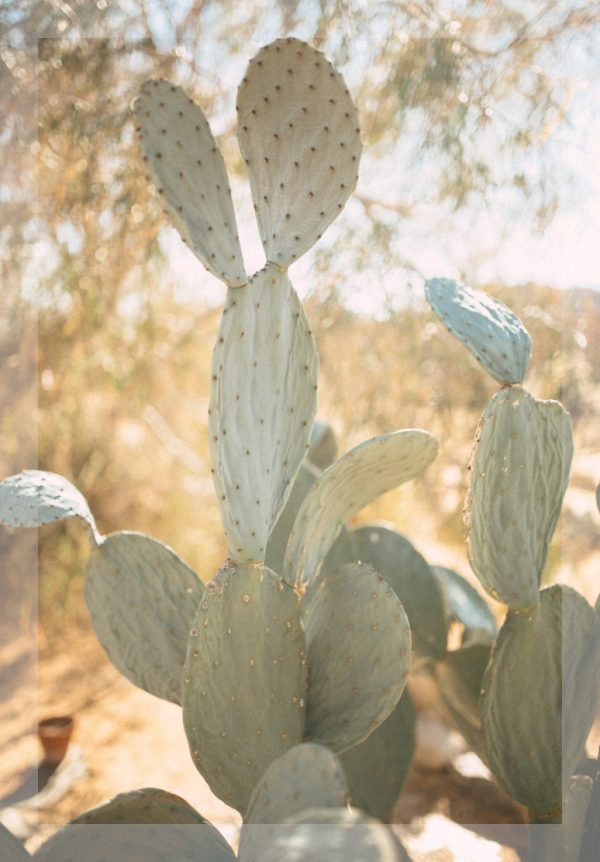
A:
(55, 734)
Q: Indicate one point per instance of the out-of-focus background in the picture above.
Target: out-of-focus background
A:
(480, 162)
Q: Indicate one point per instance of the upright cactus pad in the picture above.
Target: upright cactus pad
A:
(360, 476)
(298, 133)
(306, 776)
(36, 497)
(323, 447)
(358, 652)
(493, 334)
(464, 605)
(188, 170)
(263, 402)
(539, 697)
(459, 677)
(278, 538)
(142, 599)
(519, 474)
(409, 575)
(376, 769)
(244, 683)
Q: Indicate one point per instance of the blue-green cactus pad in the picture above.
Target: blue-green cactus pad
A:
(491, 331)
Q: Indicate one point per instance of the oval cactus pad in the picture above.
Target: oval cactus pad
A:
(493, 334)
(360, 476)
(539, 697)
(263, 402)
(244, 688)
(189, 173)
(147, 805)
(519, 473)
(298, 133)
(142, 599)
(358, 653)
(36, 497)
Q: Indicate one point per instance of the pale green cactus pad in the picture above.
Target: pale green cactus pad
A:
(539, 697)
(519, 473)
(306, 776)
(334, 835)
(263, 401)
(148, 805)
(358, 654)
(244, 686)
(491, 331)
(299, 136)
(142, 599)
(280, 534)
(148, 842)
(360, 476)
(377, 768)
(11, 850)
(459, 677)
(465, 606)
(322, 450)
(188, 170)
(409, 575)
(36, 497)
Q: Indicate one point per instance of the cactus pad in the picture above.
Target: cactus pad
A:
(491, 331)
(263, 401)
(409, 575)
(459, 677)
(35, 497)
(519, 473)
(189, 172)
(148, 805)
(539, 697)
(298, 133)
(148, 842)
(323, 446)
(465, 605)
(360, 476)
(334, 835)
(306, 776)
(377, 768)
(142, 599)
(244, 685)
(280, 533)
(358, 654)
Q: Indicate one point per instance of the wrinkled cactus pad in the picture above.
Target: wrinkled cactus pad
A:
(263, 402)
(490, 330)
(464, 605)
(519, 473)
(539, 697)
(357, 478)
(142, 599)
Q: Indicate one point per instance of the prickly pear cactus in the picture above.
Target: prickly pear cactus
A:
(539, 697)
(490, 330)
(358, 649)
(244, 681)
(519, 473)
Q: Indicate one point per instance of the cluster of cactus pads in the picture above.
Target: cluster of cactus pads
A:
(291, 664)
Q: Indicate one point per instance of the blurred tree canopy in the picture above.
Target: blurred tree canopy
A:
(460, 104)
